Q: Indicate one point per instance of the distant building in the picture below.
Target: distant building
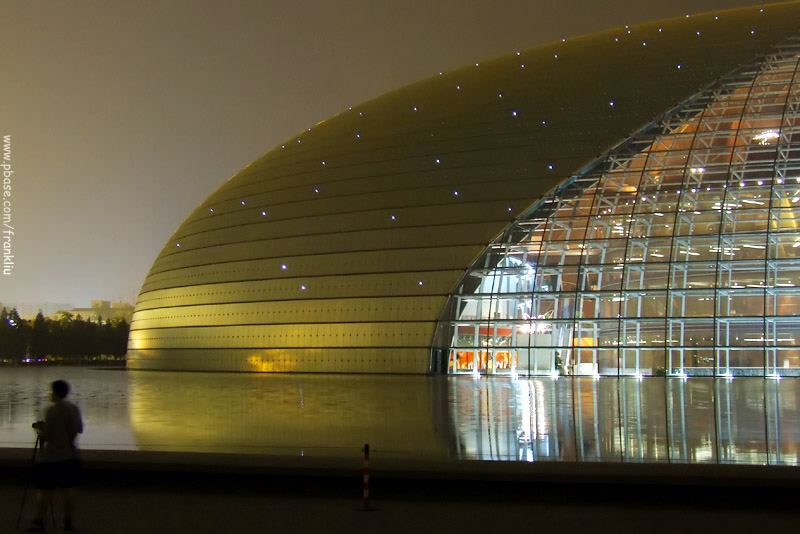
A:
(101, 310)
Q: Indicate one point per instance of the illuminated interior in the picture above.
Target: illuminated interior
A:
(677, 254)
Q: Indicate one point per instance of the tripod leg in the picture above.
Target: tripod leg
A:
(27, 485)
(52, 512)
(21, 506)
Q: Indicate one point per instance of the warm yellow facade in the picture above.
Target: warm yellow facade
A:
(338, 251)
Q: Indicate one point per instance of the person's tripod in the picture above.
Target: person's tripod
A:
(27, 485)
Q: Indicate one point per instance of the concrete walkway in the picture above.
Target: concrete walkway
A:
(174, 493)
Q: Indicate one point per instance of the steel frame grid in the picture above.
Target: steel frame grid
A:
(610, 202)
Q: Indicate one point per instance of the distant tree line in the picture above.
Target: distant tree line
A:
(70, 339)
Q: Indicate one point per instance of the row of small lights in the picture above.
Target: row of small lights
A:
(392, 216)
(693, 170)
(652, 199)
(303, 287)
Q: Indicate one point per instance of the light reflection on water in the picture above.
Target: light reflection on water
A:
(700, 420)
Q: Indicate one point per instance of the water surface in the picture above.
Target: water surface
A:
(699, 420)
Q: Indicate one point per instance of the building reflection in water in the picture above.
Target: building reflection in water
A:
(700, 420)
(302, 414)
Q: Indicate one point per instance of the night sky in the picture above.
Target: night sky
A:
(124, 116)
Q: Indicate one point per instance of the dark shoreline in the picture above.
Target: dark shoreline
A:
(104, 364)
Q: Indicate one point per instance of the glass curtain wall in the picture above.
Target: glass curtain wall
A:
(676, 255)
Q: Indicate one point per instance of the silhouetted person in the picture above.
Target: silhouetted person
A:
(58, 465)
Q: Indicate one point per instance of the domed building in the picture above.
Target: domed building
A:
(624, 203)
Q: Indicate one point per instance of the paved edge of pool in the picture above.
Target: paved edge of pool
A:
(454, 470)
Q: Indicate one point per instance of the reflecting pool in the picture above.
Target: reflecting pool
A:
(696, 420)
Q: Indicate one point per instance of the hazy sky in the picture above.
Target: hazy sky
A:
(124, 116)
